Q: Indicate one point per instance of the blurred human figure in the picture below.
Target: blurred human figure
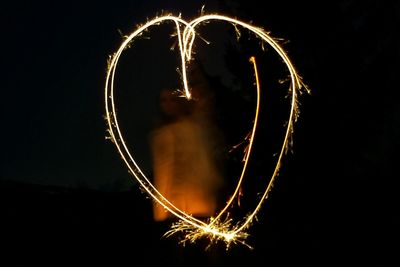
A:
(187, 167)
(184, 167)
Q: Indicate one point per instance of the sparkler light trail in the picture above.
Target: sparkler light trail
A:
(220, 227)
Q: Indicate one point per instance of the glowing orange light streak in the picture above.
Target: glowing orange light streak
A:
(194, 228)
(248, 150)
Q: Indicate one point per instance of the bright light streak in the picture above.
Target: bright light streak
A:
(215, 228)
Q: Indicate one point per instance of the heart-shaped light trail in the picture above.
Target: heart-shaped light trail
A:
(215, 228)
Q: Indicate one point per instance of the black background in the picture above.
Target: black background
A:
(66, 194)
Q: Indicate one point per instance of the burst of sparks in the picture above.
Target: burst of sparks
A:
(215, 228)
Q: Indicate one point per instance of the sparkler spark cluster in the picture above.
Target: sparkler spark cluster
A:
(221, 226)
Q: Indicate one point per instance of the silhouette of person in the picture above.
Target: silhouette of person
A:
(186, 164)
(184, 167)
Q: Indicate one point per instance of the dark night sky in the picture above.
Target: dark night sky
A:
(56, 57)
(343, 169)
